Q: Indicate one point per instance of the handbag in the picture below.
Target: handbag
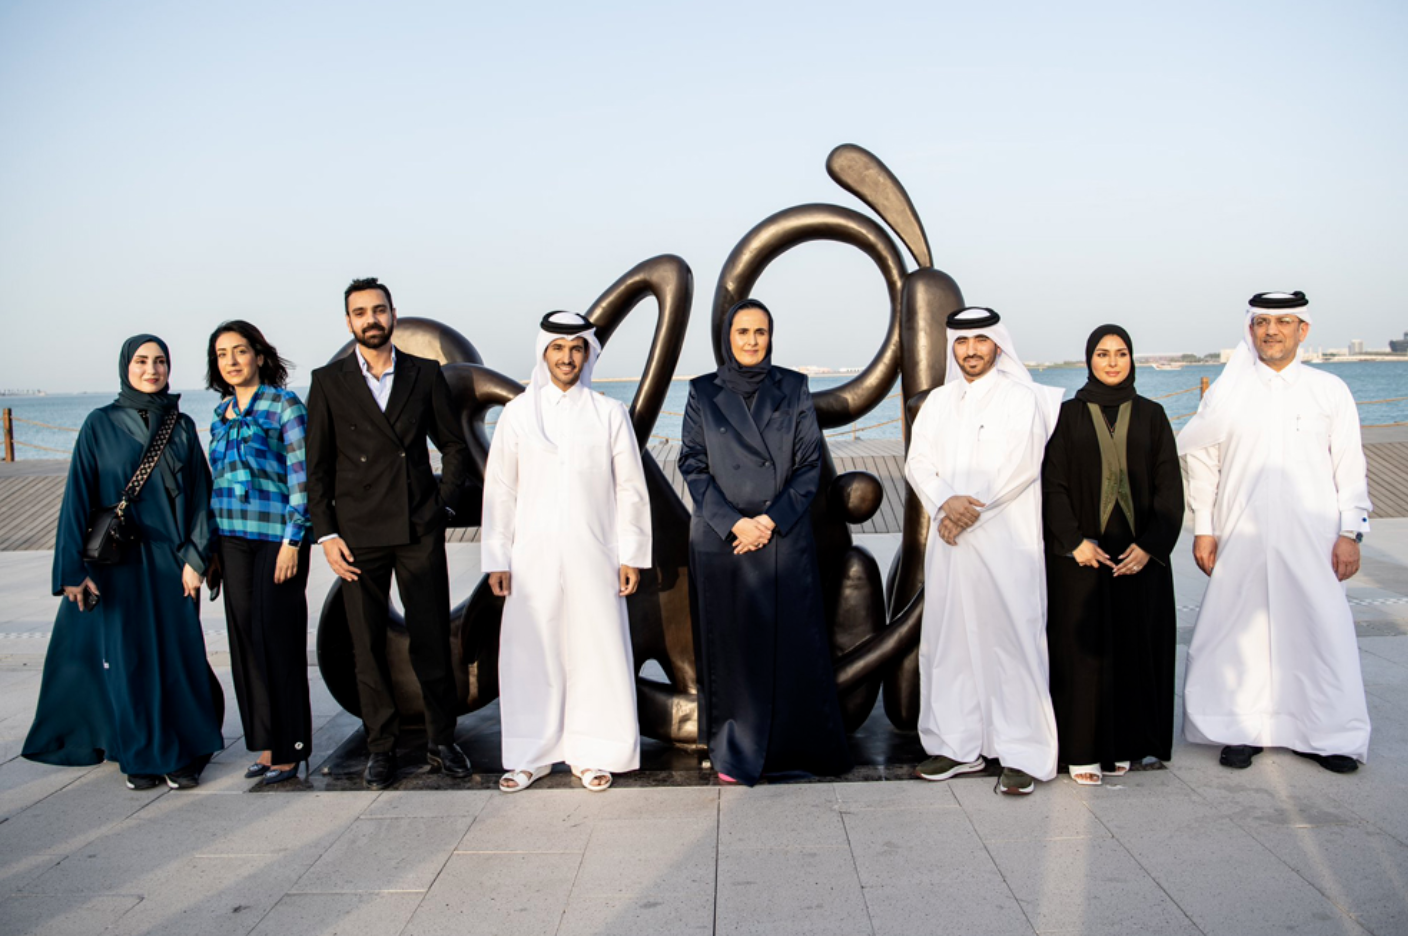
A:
(109, 532)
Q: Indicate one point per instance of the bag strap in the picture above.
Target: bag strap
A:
(149, 459)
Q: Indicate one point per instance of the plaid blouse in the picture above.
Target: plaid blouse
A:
(260, 467)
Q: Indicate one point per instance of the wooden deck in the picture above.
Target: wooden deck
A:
(31, 491)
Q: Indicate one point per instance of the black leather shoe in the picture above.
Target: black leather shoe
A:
(1335, 763)
(381, 770)
(1238, 756)
(138, 781)
(449, 760)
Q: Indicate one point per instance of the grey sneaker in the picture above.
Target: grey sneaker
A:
(1015, 782)
(941, 768)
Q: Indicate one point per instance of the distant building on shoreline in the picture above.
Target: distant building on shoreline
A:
(1399, 347)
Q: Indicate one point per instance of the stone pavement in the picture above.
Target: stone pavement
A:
(1283, 847)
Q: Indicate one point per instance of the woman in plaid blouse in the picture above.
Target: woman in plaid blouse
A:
(260, 503)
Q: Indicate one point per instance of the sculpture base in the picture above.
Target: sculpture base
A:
(881, 752)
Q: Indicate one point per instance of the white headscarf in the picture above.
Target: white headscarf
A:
(1007, 362)
(542, 377)
(1210, 424)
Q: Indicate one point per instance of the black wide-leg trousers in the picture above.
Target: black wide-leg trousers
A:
(268, 631)
(423, 581)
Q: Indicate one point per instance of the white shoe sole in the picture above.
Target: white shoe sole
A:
(974, 767)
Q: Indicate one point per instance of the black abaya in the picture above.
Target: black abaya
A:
(1111, 639)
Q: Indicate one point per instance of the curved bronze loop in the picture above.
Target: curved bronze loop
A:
(669, 279)
(475, 390)
(427, 338)
(860, 172)
(778, 234)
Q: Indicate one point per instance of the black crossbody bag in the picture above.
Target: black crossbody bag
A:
(109, 531)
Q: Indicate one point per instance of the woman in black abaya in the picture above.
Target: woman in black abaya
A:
(751, 455)
(1112, 499)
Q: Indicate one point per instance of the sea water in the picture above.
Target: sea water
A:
(1175, 390)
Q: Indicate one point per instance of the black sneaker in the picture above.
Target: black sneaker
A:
(187, 778)
(1238, 756)
(1335, 763)
(141, 781)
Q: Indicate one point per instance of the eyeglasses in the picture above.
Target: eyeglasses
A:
(1284, 322)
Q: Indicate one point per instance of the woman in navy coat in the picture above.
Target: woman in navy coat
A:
(751, 456)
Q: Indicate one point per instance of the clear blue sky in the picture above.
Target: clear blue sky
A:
(164, 166)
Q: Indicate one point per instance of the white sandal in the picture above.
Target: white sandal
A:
(1121, 768)
(523, 779)
(1078, 771)
(588, 775)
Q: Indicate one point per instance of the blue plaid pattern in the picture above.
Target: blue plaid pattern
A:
(260, 465)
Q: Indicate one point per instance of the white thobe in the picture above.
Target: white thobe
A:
(983, 665)
(562, 521)
(1274, 661)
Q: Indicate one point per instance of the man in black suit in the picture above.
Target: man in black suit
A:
(376, 508)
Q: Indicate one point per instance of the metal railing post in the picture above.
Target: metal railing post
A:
(9, 436)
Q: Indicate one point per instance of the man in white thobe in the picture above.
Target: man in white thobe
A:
(974, 459)
(1280, 497)
(566, 529)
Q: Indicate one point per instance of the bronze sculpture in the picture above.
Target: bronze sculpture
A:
(874, 623)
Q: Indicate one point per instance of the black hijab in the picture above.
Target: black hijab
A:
(744, 381)
(1097, 391)
(132, 398)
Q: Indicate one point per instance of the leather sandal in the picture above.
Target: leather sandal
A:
(589, 776)
(523, 779)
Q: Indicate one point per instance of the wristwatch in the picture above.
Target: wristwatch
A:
(1356, 536)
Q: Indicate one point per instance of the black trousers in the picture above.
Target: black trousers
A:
(268, 629)
(423, 581)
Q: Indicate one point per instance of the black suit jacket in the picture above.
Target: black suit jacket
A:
(369, 476)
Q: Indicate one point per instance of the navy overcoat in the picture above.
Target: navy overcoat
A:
(767, 688)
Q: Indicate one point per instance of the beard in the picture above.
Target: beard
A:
(374, 336)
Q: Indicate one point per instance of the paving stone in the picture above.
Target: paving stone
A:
(645, 914)
(428, 804)
(649, 856)
(215, 896)
(918, 847)
(1359, 868)
(24, 783)
(789, 890)
(338, 915)
(504, 894)
(535, 821)
(1089, 885)
(1054, 810)
(16, 871)
(1211, 868)
(947, 906)
(65, 821)
(894, 794)
(783, 816)
(65, 915)
(159, 839)
(385, 855)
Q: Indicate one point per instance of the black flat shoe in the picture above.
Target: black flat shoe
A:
(449, 760)
(275, 775)
(1238, 756)
(255, 769)
(381, 770)
(140, 781)
(1335, 763)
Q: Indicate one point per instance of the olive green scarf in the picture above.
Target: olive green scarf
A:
(1114, 464)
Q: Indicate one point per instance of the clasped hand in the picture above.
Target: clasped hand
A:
(959, 513)
(1089, 553)
(751, 533)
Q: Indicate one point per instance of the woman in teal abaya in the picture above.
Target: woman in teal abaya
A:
(127, 680)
